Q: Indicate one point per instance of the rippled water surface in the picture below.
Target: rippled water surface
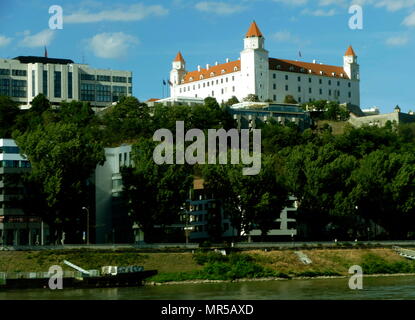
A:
(373, 288)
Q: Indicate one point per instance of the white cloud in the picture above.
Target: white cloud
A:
(40, 39)
(220, 8)
(397, 41)
(112, 45)
(4, 41)
(133, 12)
(293, 2)
(288, 37)
(319, 12)
(410, 20)
(395, 5)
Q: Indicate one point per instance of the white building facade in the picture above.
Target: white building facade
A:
(112, 224)
(24, 77)
(268, 78)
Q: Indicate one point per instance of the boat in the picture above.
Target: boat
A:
(110, 276)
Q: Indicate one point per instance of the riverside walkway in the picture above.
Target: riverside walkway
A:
(239, 245)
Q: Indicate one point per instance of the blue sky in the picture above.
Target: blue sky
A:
(144, 37)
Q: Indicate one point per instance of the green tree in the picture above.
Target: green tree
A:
(63, 158)
(8, 114)
(155, 194)
(251, 98)
(231, 101)
(290, 99)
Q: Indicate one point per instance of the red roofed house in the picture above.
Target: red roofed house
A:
(268, 78)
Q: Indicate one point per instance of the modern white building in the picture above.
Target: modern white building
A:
(16, 226)
(254, 72)
(112, 223)
(24, 77)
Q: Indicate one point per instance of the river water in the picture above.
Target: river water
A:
(393, 287)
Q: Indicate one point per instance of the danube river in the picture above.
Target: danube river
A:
(394, 287)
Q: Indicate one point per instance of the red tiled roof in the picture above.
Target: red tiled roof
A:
(253, 31)
(350, 52)
(152, 100)
(179, 57)
(219, 70)
(304, 67)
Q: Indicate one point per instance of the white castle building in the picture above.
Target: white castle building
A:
(268, 78)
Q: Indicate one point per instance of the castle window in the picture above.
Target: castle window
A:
(286, 77)
(274, 76)
(180, 90)
(349, 84)
(204, 85)
(329, 92)
(329, 82)
(299, 79)
(198, 86)
(338, 83)
(217, 81)
(309, 90)
(213, 93)
(321, 72)
(222, 90)
(201, 77)
(274, 86)
(212, 74)
(299, 99)
(226, 79)
(333, 74)
(233, 78)
(350, 94)
(191, 79)
(275, 97)
(320, 81)
(286, 88)
(321, 91)
(223, 71)
(309, 80)
(299, 89)
(233, 89)
(221, 80)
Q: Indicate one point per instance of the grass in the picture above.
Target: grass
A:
(207, 265)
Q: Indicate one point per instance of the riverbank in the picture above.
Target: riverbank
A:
(185, 267)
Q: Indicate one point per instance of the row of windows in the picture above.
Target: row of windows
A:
(18, 88)
(91, 77)
(320, 81)
(206, 84)
(102, 93)
(14, 164)
(19, 73)
(10, 150)
(338, 92)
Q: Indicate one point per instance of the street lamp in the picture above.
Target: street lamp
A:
(87, 224)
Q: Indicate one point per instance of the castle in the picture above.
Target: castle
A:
(269, 78)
